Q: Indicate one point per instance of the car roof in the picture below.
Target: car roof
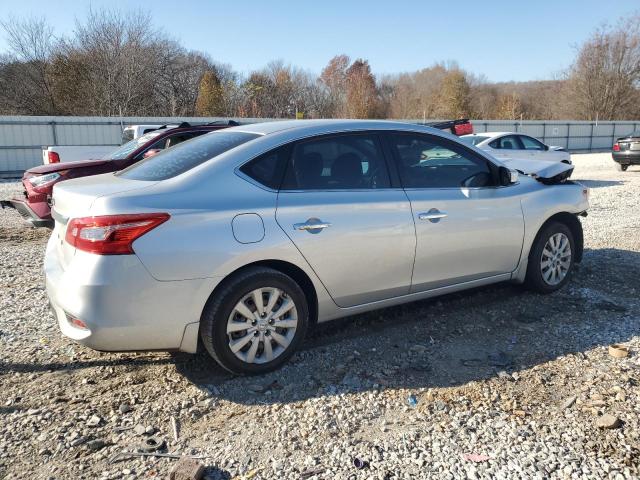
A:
(299, 127)
(491, 134)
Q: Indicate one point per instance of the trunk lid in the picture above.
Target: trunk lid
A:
(74, 198)
(56, 167)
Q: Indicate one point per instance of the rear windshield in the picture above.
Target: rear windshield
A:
(472, 139)
(125, 150)
(185, 156)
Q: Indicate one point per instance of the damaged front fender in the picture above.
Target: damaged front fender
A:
(547, 172)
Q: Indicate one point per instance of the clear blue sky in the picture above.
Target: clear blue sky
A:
(504, 40)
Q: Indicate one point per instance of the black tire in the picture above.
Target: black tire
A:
(535, 279)
(213, 323)
(621, 168)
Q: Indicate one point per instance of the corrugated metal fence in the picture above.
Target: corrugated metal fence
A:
(22, 137)
(576, 136)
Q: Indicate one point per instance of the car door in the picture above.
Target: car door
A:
(467, 228)
(338, 207)
(536, 149)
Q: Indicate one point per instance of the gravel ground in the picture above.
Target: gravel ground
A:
(492, 383)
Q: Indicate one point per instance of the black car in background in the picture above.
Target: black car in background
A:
(626, 151)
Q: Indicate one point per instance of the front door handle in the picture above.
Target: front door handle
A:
(313, 225)
(434, 215)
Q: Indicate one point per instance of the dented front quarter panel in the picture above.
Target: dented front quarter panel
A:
(539, 203)
(542, 170)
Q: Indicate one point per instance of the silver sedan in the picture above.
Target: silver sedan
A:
(245, 237)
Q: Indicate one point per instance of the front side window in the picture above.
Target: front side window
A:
(429, 162)
(341, 162)
(509, 142)
(185, 156)
(531, 143)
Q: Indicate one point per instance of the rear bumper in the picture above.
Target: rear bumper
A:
(628, 157)
(28, 214)
(123, 307)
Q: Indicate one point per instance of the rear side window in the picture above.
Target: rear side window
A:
(268, 169)
(510, 142)
(338, 162)
(185, 156)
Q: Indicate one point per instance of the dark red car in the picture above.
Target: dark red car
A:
(38, 182)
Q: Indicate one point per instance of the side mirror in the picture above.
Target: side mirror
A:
(507, 176)
(151, 152)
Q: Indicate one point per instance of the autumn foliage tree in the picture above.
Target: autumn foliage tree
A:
(508, 107)
(210, 96)
(334, 80)
(454, 97)
(361, 90)
(116, 62)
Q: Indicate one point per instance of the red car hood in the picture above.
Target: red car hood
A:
(56, 167)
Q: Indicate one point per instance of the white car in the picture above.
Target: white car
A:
(516, 146)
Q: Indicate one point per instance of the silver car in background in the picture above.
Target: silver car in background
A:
(245, 237)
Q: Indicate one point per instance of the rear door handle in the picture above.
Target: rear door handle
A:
(434, 215)
(313, 225)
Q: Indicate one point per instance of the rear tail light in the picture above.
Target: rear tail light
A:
(53, 157)
(463, 129)
(44, 183)
(111, 234)
(616, 147)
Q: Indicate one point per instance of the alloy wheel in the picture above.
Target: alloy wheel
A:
(262, 325)
(556, 259)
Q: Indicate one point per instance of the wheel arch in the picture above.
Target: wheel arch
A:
(564, 217)
(571, 221)
(296, 273)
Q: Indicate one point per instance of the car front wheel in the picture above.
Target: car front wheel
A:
(255, 322)
(551, 258)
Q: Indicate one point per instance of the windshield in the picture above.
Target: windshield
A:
(125, 150)
(473, 139)
(185, 156)
(127, 135)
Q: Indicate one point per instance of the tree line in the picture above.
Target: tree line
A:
(117, 63)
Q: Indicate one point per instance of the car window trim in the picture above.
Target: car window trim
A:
(493, 168)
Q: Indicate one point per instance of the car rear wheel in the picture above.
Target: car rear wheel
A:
(551, 258)
(255, 322)
(621, 168)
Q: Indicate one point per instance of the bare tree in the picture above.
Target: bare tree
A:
(121, 55)
(26, 80)
(508, 107)
(605, 77)
(118, 63)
